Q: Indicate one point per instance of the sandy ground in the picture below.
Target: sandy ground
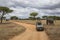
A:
(30, 33)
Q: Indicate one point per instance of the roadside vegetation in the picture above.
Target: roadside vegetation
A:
(27, 21)
(53, 31)
(9, 30)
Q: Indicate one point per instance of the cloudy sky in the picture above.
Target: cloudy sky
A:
(22, 8)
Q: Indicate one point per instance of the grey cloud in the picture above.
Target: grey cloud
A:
(53, 13)
(15, 4)
(51, 7)
(18, 6)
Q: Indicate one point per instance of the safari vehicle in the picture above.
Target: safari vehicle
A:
(39, 26)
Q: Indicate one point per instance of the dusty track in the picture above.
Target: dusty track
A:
(30, 33)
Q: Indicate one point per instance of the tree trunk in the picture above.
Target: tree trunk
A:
(34, 17)
(2, 17)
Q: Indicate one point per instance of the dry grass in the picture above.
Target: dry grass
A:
(8, 30)
(53, 31)
(27, 21)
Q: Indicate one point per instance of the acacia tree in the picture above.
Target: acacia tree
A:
(44, 17)
(14, 18)
(4, 11)
(34, 14)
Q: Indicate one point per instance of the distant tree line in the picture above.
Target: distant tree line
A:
(53, 17)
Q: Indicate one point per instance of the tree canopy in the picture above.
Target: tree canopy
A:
(14, 18)
(33, 15)
(44, 17)
(5, 10)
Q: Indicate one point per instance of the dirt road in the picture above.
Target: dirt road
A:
(30, 33)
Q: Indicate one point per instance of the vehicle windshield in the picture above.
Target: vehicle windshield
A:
(39, 23)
